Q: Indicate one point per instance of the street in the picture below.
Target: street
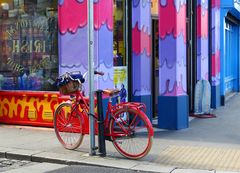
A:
(90, 169)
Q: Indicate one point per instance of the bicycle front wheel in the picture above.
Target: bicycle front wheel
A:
(130, 132)
(68, 126)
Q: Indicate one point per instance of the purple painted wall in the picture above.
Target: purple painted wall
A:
(172, 47)
(141, 41)
(73, 55)
(215, 73)
(202, 40)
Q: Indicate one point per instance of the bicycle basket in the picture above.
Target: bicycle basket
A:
(70, 87)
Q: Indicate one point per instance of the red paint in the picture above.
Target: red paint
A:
(140, 41)
(216, 63)
(73, 15)
(171, 21)
(53, 103)
(16, 97)
(216, 3)
(202, 22)
(6, 106)
(103, 14)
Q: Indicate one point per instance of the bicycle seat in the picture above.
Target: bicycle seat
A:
(111, 92)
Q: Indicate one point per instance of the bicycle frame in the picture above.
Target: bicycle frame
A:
(126, 125)
(81, 104)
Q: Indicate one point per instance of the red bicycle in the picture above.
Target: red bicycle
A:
(125, 125)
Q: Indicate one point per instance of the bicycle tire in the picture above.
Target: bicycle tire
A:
(131, 144)
(68, 126)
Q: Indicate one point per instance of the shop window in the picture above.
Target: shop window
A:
(28, 43)
(119, 48)
(119, 31)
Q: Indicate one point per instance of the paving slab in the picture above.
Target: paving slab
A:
(226, 172)
(52, 157)
(111, 162)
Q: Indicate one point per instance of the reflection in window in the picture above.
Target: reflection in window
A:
(119, 49)
(28, 43)
(119, 29)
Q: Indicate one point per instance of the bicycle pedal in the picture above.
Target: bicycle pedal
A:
(95, 148)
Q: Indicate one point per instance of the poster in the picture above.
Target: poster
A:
(121, 82)
(154, 7)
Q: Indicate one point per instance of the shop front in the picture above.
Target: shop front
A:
(28, 61)
(230, 55)
(41, 40)
(150, 58)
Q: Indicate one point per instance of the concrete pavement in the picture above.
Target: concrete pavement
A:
(207, 146)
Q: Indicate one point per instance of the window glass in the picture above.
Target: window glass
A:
(28, 43)
(119, 48)
(119, 33)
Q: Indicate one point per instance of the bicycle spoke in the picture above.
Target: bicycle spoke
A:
(136, 123)
(131, 138)
(68, 126)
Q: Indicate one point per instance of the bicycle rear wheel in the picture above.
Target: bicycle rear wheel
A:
(130, 132)
(68, 126)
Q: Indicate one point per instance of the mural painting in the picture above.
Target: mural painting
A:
(202, 39)
(141, 41)
(215, 73)
(172, 47)
(28, 109)
(73, 43)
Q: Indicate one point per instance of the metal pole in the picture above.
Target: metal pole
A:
(91, 75)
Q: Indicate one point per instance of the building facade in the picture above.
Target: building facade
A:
(155, 51)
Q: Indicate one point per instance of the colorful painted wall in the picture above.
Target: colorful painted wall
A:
(141, 52)
(28, 108)
(73, 42)
(202, 40)
(172, 47)
(215, 64)
(173, 100)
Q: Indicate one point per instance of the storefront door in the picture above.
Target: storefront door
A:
(231, 57)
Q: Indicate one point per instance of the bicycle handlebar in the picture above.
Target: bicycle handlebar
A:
(99, 73)
(77, 76)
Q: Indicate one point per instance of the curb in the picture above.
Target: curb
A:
(89, 161)
(99, 161)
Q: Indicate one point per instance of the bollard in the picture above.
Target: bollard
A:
(101, 137)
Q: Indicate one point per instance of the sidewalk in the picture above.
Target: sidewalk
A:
(207, 146)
